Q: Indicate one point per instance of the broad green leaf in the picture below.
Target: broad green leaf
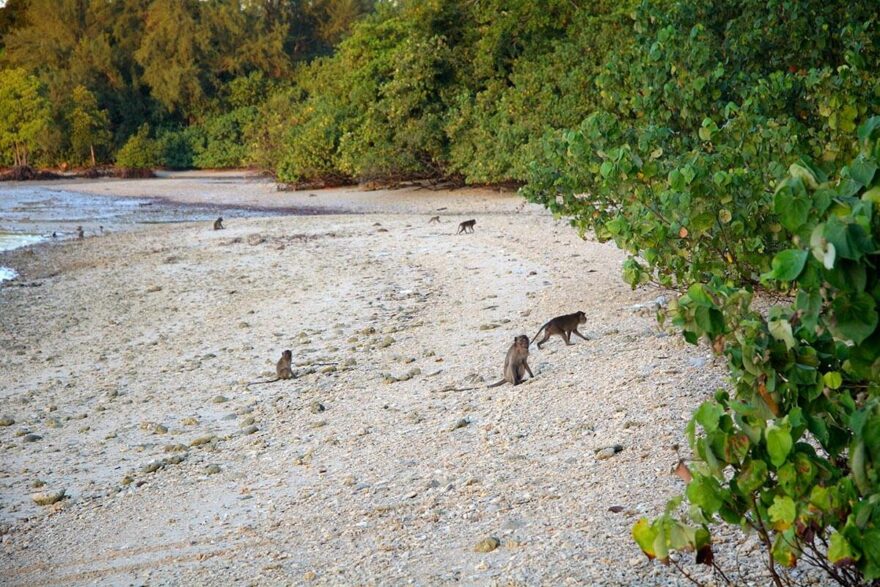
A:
(644, 533)
(855, 316)
(791, 209)
(787, 265)
(778, 443)
(849, 239)
(862, 170)
(782, 512)
(839, 550)
(708, 415)
(784, 550)
(701, 491)
(806, 175)
(832, 379)
(872, 195)
(688, 174)
(699, 296)
(781, 330)
(751, 477)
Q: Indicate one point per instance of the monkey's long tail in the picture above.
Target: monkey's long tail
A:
(534, 338)
(261, 382)
(502, 382)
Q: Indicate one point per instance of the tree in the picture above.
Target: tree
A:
(24, 114)
(89, 125)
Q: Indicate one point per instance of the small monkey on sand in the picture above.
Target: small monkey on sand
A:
(80, 233)
(218, 224)
(515, 363)
(466, 226)
(434, 219)
(564, 326)
(282, 369)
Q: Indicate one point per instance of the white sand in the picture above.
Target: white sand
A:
(129, 331)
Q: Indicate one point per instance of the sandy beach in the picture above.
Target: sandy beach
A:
(125, 358)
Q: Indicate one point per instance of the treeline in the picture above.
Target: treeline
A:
(155, 82)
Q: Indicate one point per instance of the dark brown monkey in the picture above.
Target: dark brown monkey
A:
(516, 362)
(564, 326)
(434, 219)
(218, 224)
(80, 233)
(464, 226)
(282, 369)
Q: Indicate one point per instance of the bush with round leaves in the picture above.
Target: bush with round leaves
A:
(793, 452)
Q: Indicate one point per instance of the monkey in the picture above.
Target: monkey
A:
(101, 228)
(54, 234)
(564, 326)
(282, 369)
(218, 224)
(80, 233)
(464, 226)
(434, 219)
(515, 363)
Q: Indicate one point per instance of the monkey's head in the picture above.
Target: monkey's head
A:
(220, 219)
(521, 340)
(287, 355)
(582, 318)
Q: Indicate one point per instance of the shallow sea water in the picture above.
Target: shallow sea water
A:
(29, 215)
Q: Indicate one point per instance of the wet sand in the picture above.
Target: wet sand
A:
(129, 355)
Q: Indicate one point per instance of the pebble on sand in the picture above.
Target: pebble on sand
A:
(48, 497)
(487, 544)
(7, 421)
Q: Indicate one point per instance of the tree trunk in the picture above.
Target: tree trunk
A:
(92, 149)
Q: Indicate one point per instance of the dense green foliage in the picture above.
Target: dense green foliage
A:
(172, 65)
(794, 452)
(24, 115)
(140, 151)
(707, 157)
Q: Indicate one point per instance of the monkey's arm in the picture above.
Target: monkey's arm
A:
(526, 365)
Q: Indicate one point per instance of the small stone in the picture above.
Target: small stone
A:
(54, 423)
(189, 421)
(38, 483)
(386, 342)
(154, 289)
(175, 447)
(31, 438)
(461, 423)
(220, 399)
(247, 421)
(250, 430)
(7, 421)
(316, 407)
(203, 440)
(608, 452)
(212, 469)
(487, 544)
(152, 467)
(310, 576)
(127, 480)
(328, 369)
(489, 326)
(48, 498)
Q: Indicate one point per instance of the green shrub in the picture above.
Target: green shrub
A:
(140, 151)
(219, 141)
(794, 453)
(176, 147)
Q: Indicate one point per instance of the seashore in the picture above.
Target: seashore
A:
(125, 358)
